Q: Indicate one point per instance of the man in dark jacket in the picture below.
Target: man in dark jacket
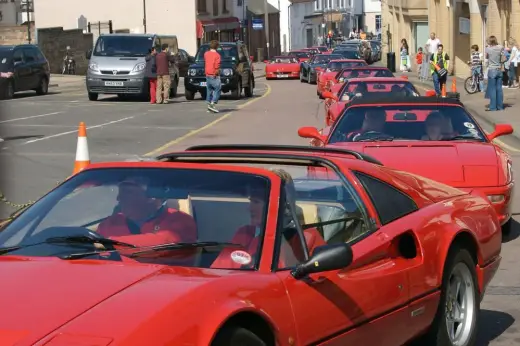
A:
(151, 73)
(162, 61)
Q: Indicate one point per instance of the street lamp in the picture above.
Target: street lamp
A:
(28, 7)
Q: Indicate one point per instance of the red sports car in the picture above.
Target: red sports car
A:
(204, 247)
(301, 55)
(313, 51)
(282, 67)
(333, 67)
(435, 138)
(322, 49)
(365, 87)
(335, 84)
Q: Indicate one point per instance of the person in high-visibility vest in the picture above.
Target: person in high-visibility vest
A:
(439, 64)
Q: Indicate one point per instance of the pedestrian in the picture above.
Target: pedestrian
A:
(512, 63)
(151, 73)
(475, 62)
(495, 64)
(405, 64)
(162, 61)
(419, 61)
(212, 69)
(439, 65)
(433, 43)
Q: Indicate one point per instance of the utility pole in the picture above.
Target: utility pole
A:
(266, 26)
(144, 15)
(27, 4)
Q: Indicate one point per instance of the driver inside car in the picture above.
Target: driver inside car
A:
(145, 221)
(374, 121)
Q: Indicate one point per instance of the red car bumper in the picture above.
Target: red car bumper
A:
(282, 75)
(486, 273)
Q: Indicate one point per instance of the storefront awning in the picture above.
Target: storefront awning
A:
(200, 29)
(228, 23)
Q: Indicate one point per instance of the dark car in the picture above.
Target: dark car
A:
(348, 53)
(236, 71)
(184, 62)
(23, 68)
(308, 69)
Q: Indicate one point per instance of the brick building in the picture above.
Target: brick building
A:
(458, 24)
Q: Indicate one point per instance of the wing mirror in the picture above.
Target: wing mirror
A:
(500, 130)
(329, 95)
(311, 133)
(325, 258)
(88, 54)
(430, 93)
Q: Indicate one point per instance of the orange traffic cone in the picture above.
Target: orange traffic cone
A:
(454, 85)
(443, 91)
(82, 154)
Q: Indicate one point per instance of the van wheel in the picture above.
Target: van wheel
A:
(43, 88)
(9, 90)
(190, 95)
(92, 96)
(173, 88)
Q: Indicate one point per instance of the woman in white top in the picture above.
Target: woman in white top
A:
(512, 63)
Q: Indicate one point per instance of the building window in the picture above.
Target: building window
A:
(201, 6)
(215, 7)
(378, 23)
(224, 6)
(239, 3)
(317, 5)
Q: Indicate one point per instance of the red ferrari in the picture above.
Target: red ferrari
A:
(206, 247)
(335, 84)
(333, 67)
(365, 87)
(301, 55)
(282, 67)
(435, 138)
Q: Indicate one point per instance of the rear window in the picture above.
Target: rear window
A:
(301, 55)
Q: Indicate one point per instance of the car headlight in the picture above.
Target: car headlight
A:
(495, 199)
(192, 72)
(93, 67)
(139, 67)
(509, 172)
(227, 72)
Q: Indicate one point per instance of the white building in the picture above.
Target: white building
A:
(283, 7)
(372, 16)
(13, 12)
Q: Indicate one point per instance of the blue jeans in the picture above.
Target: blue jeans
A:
(438, 82)
(494, 88)
(213, 87)
(512, 74)
(477, 71)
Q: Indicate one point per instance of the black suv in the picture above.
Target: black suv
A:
(23, 68)
(236, 71)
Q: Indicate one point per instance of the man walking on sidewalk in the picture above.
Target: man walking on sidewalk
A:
(212, 69)
(151, 74)
(162, 61)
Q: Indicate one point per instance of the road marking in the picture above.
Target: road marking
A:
(31, 117)
(211, 124)
(69, 132)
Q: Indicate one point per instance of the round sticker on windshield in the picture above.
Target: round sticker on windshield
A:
(469, 125)
(241, 257)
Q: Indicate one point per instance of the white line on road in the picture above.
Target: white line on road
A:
(69, 132)
(31, 117)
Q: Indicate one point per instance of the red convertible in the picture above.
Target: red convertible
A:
(282, 67)
(365, 87)
(433, 137)
(205, 247)
(333, 67)
(334, 85)
(301, 55)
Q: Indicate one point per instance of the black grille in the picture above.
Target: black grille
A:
(112, 72)
(115, 90)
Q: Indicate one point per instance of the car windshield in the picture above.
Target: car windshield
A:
(364, 73)
(284, 60)
(144, 207)
(407, 122)
(6, 60)
(227, 52)
(123, 46)
(378, 88)
(340, 65)
(348, 53)
(324, 59)
(300, 55)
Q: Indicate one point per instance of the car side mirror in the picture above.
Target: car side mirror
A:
(500, 130)
(325, 258)
(88, 54)
(430, 93)
(329, 95)
(311, 133)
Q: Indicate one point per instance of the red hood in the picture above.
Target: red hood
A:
(40, 295)
(457, 164)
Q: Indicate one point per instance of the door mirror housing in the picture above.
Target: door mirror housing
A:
(311, 133)
(430, 93)
(325, 258)
(88, 54)
(500, 130)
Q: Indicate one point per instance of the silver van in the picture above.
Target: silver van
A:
(117, 64)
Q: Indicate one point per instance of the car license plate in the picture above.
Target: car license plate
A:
(202, 83)
(114, 84)
(283, 75)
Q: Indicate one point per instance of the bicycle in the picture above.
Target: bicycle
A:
(472, 83)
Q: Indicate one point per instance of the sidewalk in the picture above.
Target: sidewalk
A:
(476, 103)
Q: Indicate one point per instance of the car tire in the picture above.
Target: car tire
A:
(173, 88)
(248, 91)
(459, 268)
(43, 88)
(237, 336)
(238, 91)
(506, 228)
(93, 96)
(9, 90)
(190, 95)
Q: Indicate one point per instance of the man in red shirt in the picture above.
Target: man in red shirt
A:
(212, 70)
(146, 221)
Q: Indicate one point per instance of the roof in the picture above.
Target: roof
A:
(11, 47)
(397, 100)
(379, 79)
(346, 60)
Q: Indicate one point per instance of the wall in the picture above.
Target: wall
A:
(370, 22)
(284, 21)
(371, 8)
(54, 41)
(163, 16)
(9, 13)
(299, 25)
(16, 34)
(257, 37)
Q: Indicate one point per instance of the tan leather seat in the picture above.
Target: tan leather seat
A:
(186, 206)
(310, 212)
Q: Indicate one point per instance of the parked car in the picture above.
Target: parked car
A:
(184, 62)
(236, 71)
(23, 68)
(309, 69)
(376, 50)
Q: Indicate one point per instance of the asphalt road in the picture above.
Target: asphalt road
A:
(40, 146)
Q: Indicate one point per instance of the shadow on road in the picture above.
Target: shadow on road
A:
(14, 138)
(492, 324)
(515, 232)
(22, 95)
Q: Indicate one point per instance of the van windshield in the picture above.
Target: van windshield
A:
(114, 45)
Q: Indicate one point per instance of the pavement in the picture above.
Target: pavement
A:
(40, 140)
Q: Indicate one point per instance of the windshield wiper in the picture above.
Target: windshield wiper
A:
(80, 239)
(176, 246)
(466, 137)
